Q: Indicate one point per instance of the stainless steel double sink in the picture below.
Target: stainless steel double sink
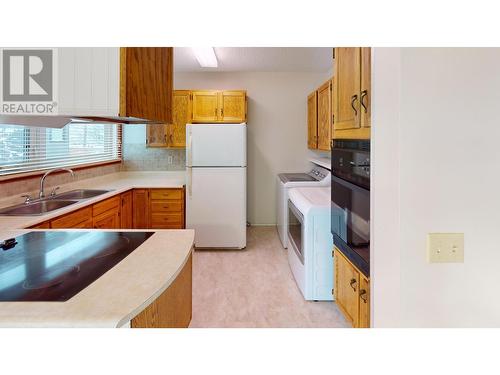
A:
(41, 206)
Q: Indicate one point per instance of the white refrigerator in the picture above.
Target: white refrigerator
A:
(216, 186)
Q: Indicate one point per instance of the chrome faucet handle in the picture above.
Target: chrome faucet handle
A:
(28, 198)
(53, 192)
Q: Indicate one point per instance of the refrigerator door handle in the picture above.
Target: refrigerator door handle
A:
(190, 149)
(190, 181)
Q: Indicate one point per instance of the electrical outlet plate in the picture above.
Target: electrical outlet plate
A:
(445, 247)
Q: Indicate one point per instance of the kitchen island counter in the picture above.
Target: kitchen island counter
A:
(125, 293)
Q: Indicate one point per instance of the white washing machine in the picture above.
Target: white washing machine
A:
(317, 177)
(311, 242)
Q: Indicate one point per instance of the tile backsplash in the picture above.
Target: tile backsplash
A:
(138, 157)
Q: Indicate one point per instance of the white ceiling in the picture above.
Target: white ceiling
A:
(258, 59)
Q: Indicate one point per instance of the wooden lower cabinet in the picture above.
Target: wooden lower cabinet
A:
(364, 302)
(74, 219)
(141, 208)
(173, 308)
(167, 208)
(107, 220)
(126, 210)
(134, 209)
(352, 291)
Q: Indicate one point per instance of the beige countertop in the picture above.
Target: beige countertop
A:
(118, 295)
(117, 182)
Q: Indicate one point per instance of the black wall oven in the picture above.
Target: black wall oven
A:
(351, 200)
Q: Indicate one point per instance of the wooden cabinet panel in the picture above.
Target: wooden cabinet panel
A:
(173, 308)
(232, 106)
(205, 106)
(157, 135)
(146, 83)
(346, 288)
(160, 194)
(126, 219)
(140, 199)
(181, 116)
(364, 302)
(72, 219)
(347, 95)
(365, 87)
(312, 120)
(324, 116)
(106, 205)
(107, 220)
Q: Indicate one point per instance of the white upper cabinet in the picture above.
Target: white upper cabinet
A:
(88, 81)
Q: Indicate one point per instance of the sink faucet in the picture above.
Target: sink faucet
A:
(42, 180)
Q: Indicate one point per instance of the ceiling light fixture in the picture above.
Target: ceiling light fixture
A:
(205, 56)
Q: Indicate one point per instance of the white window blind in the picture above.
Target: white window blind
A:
(28, 149)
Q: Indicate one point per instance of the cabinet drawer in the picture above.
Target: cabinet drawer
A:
(166, 206)
(44, 225)
(72, 219)
(84, 224)
(161, 194)
(160, 220)
(106, 205)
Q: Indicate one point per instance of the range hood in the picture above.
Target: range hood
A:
(61, 121)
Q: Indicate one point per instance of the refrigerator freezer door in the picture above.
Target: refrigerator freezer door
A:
(216, 145)
(216, 207)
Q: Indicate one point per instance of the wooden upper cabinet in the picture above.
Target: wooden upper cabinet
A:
(228, 106)
(157, 135)
(146, 83)
(365, 87)
(312, 120)
(232, 106)
(352, 94)
(181, 117)
(347, 96)
(324, 116)
(205, 106)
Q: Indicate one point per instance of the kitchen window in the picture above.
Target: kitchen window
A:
(26, 149)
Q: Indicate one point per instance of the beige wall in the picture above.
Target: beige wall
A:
(277, 133)
(437, 172)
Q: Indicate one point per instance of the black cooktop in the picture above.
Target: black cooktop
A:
(55, 266)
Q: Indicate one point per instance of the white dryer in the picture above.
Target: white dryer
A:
(311, 241)
(317, 177)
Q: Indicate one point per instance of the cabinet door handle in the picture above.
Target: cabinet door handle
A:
(215, 112)
(353, 99)
(363, 295)
(364, 93)
(353, 283)
(222, 112)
